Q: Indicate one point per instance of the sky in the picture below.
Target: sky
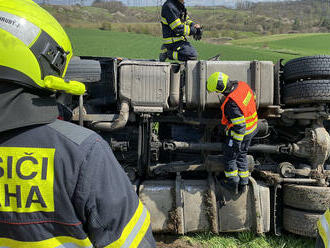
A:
(228, 3)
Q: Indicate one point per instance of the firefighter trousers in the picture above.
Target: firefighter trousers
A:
(319, 242)
(236, 162)
(181, 51)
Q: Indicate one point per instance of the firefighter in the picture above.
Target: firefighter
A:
(60, 184)
(176, 27)
(239, 115)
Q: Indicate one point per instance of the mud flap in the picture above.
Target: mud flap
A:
(181, 206)
(185, 206)
(233, 211)
(245, 211)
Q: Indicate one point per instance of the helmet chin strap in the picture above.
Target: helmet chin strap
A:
(229, 88)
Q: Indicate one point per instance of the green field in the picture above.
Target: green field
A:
(139, 46)
(300, 44)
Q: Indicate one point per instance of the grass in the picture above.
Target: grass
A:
(229, 52)
(300, 44)
(95, 42)
(141, 46)
(271, 38)
(250, 240)
(113, 44)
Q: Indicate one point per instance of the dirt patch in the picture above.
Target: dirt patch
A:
(168, 241)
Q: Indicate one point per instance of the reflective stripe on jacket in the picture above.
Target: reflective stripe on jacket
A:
(61, 187)
(244, 98)
(176, 24)
(323, 225)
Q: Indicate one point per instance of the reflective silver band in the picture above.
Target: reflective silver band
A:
(24, 30)
(72, 245)
(325, 226)
(136, 229)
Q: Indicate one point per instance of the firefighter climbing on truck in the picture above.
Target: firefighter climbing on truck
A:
(176, 27)
(239, 115)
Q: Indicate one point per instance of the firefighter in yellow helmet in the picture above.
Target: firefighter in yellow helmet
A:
(60, 184)
(239, 115)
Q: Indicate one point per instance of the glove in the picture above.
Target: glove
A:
(199, 34)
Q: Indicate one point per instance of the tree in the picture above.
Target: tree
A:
(296, 24)
(112, 6)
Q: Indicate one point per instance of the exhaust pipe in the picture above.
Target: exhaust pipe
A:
(175, 86)
(118, 123)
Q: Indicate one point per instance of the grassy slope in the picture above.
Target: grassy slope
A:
(113, 44)
(75, 16)
(301, 44)
(140, 46)
(130, 45)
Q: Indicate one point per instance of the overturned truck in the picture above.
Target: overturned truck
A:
(164, 128)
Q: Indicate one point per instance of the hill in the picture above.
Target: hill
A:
(238, 34)
(140, 46)
(226, 3)
(305, 16)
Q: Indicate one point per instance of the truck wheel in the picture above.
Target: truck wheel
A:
(306, 197)
(310, 91)
(300, 222)
(311, 67)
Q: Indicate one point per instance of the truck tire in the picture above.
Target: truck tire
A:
(310, 198)
(300, 222)
(310, 91)
(311, 67)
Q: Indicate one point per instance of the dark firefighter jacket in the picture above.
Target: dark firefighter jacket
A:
(60, 184)
(176, 24)
(323, 235)
(239, 112)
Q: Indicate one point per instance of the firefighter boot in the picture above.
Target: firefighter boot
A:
(162, 57)
(230, 186)
(163, 54)
(242, 188)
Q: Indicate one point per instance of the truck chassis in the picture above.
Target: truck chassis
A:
(164, 129)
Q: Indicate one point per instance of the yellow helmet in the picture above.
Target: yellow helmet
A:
(217, 82)
(34, 49)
